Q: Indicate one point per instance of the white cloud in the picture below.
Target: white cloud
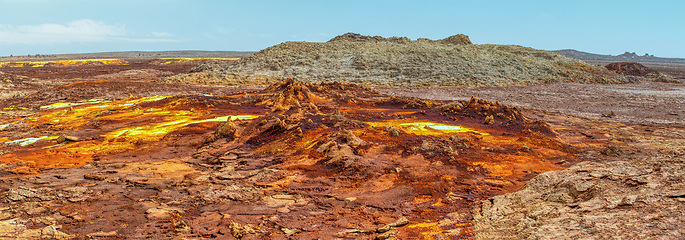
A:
(79, 31)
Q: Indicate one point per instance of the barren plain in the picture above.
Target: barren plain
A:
(107, 151)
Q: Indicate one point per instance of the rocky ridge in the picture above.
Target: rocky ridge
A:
(625, 57)
(400, 62)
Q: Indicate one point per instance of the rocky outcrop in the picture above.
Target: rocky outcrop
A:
(355, 37)
(622, 199)
(630, 68)
(637, 69)
(459, 39)
(625, 57)
(400, 62)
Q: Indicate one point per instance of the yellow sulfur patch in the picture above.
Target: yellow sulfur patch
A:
(154, 132)
(432, 228)
(182, 60)
(424, 128)
(424, 225)
(156, 122)
(14, 108)
(63, 63)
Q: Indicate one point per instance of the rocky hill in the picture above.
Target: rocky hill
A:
(400, 62)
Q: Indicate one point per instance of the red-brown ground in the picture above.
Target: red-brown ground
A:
(302, 161)
(92, 70)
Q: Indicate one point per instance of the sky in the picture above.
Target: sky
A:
(81, 26)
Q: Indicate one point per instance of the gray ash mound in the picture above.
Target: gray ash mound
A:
(400, 62)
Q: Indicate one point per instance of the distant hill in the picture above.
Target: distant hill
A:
(130, 54)
(625, 57)
(400, 62)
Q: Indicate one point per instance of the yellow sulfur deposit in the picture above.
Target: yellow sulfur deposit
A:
(424, 128)
(183, 60)
(64, 63)
(154, 132)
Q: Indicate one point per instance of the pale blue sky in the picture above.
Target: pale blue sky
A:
(71, 26)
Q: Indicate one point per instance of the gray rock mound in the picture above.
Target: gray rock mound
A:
(400, 62)
(623, 199)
